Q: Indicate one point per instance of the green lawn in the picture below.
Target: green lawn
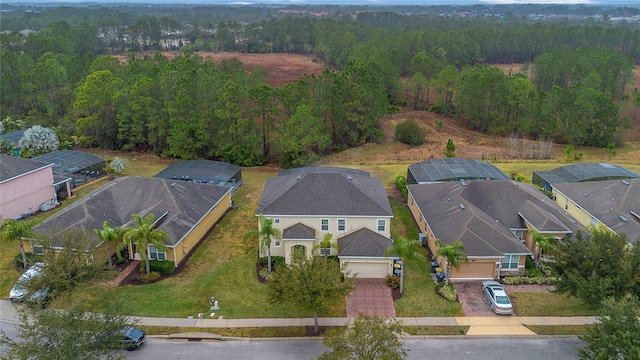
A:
(548, 304)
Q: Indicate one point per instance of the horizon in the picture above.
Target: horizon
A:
(338, 2)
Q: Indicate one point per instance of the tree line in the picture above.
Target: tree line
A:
(190, 107)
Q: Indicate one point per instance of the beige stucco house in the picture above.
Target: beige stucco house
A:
(25, 185)
(186, 211)
(493, 219)
(613, 204)
(352, 206)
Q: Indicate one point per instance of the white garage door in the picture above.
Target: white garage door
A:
(368, 269)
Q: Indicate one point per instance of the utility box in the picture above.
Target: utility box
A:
(440, 274)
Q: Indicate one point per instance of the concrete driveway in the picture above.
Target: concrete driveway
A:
(370, 297)
(472, 299)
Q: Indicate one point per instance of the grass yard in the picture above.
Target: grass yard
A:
(548, 304)
(552, 330)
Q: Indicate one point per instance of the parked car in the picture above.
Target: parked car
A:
(498, 298)
(22, 290)
(129, 338)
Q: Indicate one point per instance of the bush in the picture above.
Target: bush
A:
(31, 259)
(409, 132)
(527, 280)
(401, 182)
(393, 281)
(275, 261)
(150, 277)
(447, 292)
(162, 267)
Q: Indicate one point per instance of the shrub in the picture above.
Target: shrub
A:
(393, 281)
(150, 277)
(401, 182)
(162, 267)
(275, 261)
(527, 280)
(447, 292)
(409, 132)
(31, 259)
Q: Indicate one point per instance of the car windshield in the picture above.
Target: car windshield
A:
(502, 300)
(134, 333)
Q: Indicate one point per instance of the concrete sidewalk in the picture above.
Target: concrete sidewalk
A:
(481, 326)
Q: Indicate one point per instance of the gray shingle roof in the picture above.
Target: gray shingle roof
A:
(299, 231)
(363, 242)
(481, 214)
(11, 166)
(324, 194)
(185, 202)
(610, 202)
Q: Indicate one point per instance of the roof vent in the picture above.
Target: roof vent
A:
(463, 183)
(298, 177)
(623, 218)
(461, 206)
(625, 182)
(349, 177)
(173, 184)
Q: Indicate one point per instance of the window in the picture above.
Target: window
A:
(518, 233)
(276, 221)
(277, 243)
(324, 224)
(594, 222)
(342, 225)
(382, 225)
(36, 249)
(325, 251)
(155, 254)
(510, 261)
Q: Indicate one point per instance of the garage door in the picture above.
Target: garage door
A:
(368, 269)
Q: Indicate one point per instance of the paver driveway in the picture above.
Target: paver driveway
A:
(370, 297)
(473, 300)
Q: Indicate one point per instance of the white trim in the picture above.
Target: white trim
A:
(27, 173)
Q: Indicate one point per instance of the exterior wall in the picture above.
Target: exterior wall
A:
(476, 268)
(26, 193)
(178, 252)
(352, 224)
(573, 209)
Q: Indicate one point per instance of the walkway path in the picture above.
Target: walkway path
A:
(483, 326)
(124, 273)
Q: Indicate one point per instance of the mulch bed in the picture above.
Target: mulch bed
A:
(134, 277)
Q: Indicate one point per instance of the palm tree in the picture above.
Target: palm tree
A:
(406, 249)
(144, 235)
(544, 243)
(452, 255)
(108, 234)
(18, 230)
(265, 233)
(326, 243)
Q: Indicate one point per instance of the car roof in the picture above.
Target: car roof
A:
(33, 271)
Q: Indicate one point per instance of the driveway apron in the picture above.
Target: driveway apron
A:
(370, 297)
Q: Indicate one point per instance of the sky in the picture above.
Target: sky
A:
(343, 2)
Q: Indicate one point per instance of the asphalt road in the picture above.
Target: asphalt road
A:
(436, 348)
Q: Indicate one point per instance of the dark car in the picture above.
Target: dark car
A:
(129, 338)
